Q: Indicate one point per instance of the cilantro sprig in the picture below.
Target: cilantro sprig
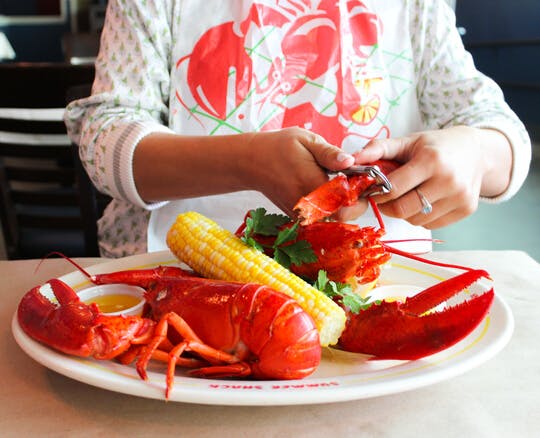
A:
(286, 248)
(343, 292)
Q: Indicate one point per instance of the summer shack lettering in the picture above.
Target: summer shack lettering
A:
(274, 387)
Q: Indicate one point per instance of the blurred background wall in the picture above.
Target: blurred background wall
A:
(504, 39)
(35, 28)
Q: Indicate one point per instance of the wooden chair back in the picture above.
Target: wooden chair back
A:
(40, 197)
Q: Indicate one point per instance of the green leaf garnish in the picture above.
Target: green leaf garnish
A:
(259, 222)
(250, 241)
(294, 254)
(300, 252)
(343, 292)
(287, 235)
(286, 249)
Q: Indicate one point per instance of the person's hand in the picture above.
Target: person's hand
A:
(290, 163)
(451, 168)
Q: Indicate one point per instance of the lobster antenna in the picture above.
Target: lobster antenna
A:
(414, 240)
(65, 257)
(377, 212)
(422, 259)
(408, 254)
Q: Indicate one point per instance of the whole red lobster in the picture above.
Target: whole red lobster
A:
(389, 330)
(234, 329)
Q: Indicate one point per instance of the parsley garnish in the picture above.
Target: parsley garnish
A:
(343, 292)
(258, 222)
(286, 249)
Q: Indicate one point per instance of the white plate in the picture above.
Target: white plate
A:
(341, 376)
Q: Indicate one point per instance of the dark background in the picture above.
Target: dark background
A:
(504, 38)
(29, 7)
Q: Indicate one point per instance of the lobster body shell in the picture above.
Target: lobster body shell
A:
(344, 251)
(257, 324)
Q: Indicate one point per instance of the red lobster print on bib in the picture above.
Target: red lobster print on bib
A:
(298, 63)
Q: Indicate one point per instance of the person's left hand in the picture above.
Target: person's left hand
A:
(451, 168)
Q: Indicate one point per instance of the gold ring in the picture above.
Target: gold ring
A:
(426, 205)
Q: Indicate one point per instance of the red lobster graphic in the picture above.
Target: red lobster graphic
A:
(318, 48)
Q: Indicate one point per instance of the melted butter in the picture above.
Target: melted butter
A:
(114, 302)
(395, 298)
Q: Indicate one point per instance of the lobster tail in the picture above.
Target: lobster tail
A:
(282, 336)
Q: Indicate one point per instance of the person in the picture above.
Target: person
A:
(225, 106)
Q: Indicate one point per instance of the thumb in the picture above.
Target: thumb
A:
(351, 212)
(329, 156)
(386, 148)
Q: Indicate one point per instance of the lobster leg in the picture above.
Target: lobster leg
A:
(404, 331)
(237, 369)
(190, 342)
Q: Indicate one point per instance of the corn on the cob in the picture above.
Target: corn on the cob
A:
(216, 253)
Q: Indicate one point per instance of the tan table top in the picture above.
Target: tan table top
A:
(498, 398)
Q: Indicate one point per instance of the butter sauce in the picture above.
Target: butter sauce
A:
(114, 302)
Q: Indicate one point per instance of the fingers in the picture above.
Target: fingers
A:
(439, 180)
(445, 209)
(388, 148)
(443, 214)
(351, 212)
(405, 179)
(406, 206)
(328, 156)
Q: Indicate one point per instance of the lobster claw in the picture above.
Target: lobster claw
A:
(345, 189)
(54, 315)
(412, 330)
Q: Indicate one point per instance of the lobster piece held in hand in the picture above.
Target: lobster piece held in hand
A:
(340, 191)
(344, 251)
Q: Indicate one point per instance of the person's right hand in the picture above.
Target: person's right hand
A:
(289, 163)
(450, 167)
